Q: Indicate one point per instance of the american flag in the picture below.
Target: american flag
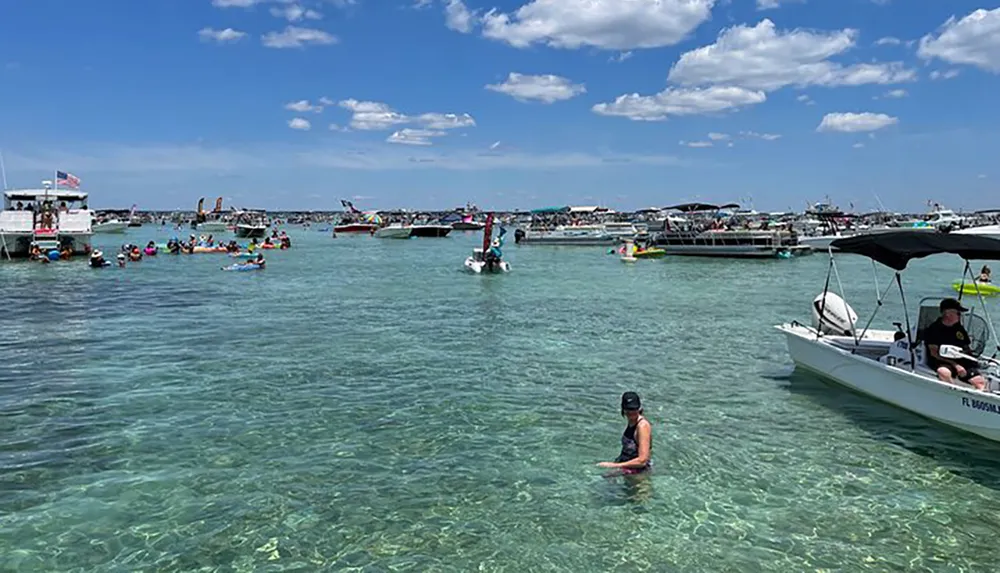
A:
(67, 179)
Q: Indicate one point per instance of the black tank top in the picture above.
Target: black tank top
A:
(630, 448)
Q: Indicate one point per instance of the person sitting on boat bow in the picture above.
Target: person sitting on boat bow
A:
(948, 330)
(985, 275)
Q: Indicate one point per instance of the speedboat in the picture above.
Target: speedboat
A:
(892, 365)
(489, 258)
(477, 264)
(394, 231)
(109, 226)
(430, 230)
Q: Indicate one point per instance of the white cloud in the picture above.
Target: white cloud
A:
(295, 13)
(299, 123)
(973, 40)
(371, 116)
(407, 136)
(858, 145)
(198, 159)
(226, 36)
(341, 128)
(888, 41)
(421, 4)
(543, 88)
(856, 122)
(302, 106)
(494, 145)
(234, 3)
(718, 136)
(981, 176)
(945, 75)
(763, 58)
(764, 136)
(620, 56)
(772, 4)
(895, 94)
(805, 99)
(695, 143)
(445, 120)
(326, 101)
(683, 101)
(607, 24)
(458, 17)
(295, 37)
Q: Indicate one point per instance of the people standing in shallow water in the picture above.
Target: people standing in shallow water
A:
(637, 440)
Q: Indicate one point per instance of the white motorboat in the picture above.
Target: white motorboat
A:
(212, 227)
(477, 264)
(488, 258)
(394, 231)
(991, 231)
(892, 365)
(51, 218)
(109, 226)
(576, 235)
(210, 221)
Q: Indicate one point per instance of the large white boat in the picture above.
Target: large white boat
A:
(51, 218)
(578, 235)
(749, 244)
(891, 365)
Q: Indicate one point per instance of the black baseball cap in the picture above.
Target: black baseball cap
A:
(630, 401)
(952, 304)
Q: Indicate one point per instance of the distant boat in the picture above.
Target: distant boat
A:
(394, 231)
(430, 230)
(355, 228)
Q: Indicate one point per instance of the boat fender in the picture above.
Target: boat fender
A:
(53, 255)
(838, 318)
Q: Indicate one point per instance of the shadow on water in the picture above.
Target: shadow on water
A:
(962, 454)
(633, 491)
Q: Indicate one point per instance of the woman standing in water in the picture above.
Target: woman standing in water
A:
(637, 440)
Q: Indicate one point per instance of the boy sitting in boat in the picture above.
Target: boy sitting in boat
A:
(985, 275)
(948, 330)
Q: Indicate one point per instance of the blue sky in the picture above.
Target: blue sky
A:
(506, 103)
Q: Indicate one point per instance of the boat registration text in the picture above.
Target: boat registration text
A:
(980, 405)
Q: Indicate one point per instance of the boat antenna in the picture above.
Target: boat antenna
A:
(3, 172)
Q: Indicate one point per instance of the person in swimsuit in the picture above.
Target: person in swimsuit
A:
(637, 440)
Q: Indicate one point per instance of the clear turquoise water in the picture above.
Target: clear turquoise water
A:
(365, 405)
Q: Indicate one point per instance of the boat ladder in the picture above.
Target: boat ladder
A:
(46, 239)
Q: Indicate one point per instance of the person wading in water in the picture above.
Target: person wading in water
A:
(637, 440)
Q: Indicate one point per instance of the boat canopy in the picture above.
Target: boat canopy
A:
(692, 207)
(895, 249)
(545, 210)
(43, 194)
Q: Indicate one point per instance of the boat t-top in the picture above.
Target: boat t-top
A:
(894, 365)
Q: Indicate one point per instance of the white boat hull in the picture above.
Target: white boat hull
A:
(393, 232)
(479, 267)
(991, 231)
(212, 227)
(108, 227)
(917, 391)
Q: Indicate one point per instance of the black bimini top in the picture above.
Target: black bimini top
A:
(895, 249)
(693, 207)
